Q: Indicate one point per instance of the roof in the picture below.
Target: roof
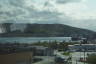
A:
(39, 47)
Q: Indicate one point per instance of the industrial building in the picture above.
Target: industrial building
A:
(82, 47)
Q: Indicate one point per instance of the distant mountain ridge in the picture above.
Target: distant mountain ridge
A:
(45, 30)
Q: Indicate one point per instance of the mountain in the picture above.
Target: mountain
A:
(44, 30)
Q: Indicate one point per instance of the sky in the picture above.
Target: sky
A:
(77, 13)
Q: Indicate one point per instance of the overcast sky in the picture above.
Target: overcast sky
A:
(77, 13)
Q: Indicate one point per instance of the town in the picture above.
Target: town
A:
(47, 31)
(76, 51)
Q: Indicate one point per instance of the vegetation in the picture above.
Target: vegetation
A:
(60, 46)
(48, 30)
(66, 53)
(91, 59)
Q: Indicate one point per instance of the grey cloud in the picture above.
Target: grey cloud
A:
(12, 10)
(19, 12)
(67, 1)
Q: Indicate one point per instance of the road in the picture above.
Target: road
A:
(46, 60)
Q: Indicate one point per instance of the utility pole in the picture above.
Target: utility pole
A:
(84, 56)
(76, 62)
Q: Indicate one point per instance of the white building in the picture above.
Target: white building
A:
(82, 47)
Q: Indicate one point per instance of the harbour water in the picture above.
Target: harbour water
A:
(33, 39)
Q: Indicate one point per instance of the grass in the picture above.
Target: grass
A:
(66, 53)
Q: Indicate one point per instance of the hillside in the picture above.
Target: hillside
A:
(46, 30)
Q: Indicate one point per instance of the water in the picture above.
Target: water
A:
(33, 39)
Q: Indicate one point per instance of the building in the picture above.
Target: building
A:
(43, 51)
(16, 58)
(13, 54)
(82, 47)
(78, 40)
